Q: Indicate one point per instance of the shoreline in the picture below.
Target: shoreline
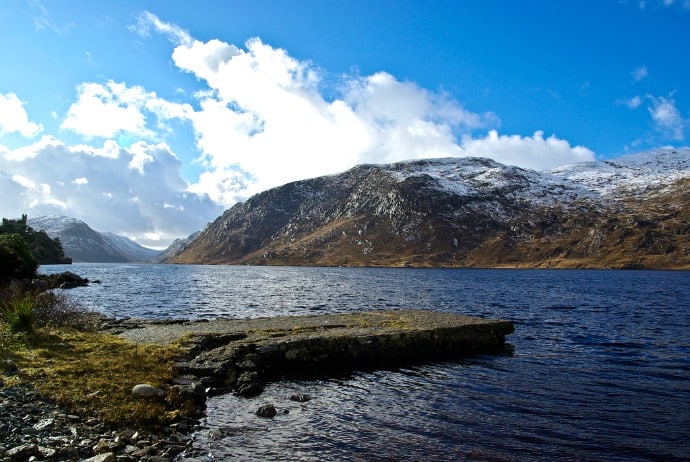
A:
(232, 356)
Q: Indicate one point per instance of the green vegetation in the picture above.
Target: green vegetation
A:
(58, 351)
(56, 348)
(43, 249)
(92, 374)
(16, 260)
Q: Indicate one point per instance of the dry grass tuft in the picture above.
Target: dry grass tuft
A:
(92, 374)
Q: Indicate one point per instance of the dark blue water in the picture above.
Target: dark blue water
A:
(600, 368)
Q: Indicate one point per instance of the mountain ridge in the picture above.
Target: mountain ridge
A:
(84, 244)
(465, 212)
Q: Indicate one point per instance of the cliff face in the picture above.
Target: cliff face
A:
(632, 212)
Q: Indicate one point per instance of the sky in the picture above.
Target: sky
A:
(149, 118)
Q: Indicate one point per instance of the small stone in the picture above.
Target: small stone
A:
(46, 453)
(145, 390)
(91, 422)
(9, 366)
(73, 418)
(267, 410)
(300, 397)
(43, 424)
(107, 457)
(23, 452)
(159, 459)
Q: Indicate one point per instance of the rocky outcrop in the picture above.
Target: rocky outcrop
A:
(631, 213)
(65, 280)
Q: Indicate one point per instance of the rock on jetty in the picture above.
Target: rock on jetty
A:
(241, 355)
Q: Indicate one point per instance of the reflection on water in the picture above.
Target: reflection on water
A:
(600, 369)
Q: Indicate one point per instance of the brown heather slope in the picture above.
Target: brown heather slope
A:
(365, 217)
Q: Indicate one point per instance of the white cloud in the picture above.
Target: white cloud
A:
(146, 21)
(666, 117)
(632, 103)
(534, 152)
(264, 119)
(107, 110)
(114, 109)
(94, 185)
(640, 73)
(14, 119)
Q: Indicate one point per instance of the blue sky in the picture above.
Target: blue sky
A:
(148, 118)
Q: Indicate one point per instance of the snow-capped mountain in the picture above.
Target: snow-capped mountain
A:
(629, 174)
(629, 212)
(83, 244)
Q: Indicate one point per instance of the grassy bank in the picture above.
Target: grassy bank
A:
(88, 372)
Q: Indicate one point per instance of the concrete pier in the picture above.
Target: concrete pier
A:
(241, 355)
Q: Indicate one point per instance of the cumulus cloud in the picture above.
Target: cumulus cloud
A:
(535, 152)
(14, 119)
(134, 191)
(264, 119)
(666, 117)
(108, 110)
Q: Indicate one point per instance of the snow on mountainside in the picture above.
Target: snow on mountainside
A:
(633, 211)
(83, 244)
(130, 249)
(472, 176)
(633, 173)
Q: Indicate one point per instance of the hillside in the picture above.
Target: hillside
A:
(633, 212)
(45, 249)
(83, 244)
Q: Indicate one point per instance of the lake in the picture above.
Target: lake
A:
(599, 369)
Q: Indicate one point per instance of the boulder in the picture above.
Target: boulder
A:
(144, 390)
(66, 280)
(267, 410)
(248, 384)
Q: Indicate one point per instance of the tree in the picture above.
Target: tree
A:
(16, 260)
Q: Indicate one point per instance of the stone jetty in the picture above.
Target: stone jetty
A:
(241, 355)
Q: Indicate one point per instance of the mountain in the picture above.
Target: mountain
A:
(177, 246)
(84, 244)
(632, 212)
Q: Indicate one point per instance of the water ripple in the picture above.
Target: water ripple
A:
(600, 368)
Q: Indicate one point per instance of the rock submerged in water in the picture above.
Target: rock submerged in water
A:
(267, 410)
(66, 280)
(300, 397)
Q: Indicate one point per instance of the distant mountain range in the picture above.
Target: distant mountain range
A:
(84, 244)
(630, 212)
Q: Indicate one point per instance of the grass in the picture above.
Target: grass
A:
(19, 313)
(89, 373)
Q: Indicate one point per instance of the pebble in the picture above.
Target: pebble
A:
(33, 429)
